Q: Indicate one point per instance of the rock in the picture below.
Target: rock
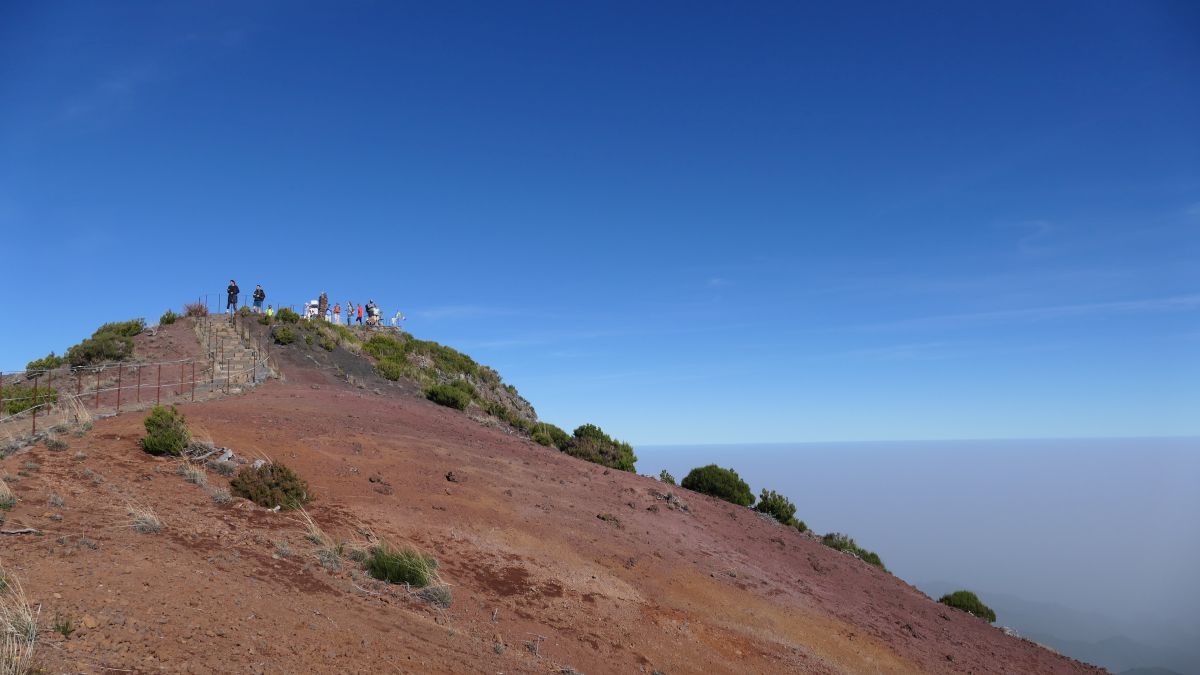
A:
(453, 477)
(89, 621)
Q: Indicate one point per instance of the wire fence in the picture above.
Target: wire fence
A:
(233, 355)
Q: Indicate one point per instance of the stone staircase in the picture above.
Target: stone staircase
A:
(233, 362)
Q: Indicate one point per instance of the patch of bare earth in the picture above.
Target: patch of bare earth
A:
(531, 566)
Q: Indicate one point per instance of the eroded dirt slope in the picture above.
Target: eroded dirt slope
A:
(533, 543)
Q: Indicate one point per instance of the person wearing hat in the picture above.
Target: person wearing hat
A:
(233, 290)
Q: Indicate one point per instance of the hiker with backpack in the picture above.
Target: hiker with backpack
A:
(233, 290)
(259, 296)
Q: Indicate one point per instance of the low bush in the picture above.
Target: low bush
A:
(845, 544)
(244, 311)
(403, 566)
(721, 483)
(167, 318)
(47, 362)
(20, 398)
(195, 309)
(397, 349)
(166, 432)
(265, 320)
(271, 485)
(390, 370)
(110, 342)
(780, 508)
(592, 444)
(287, 315)
(542, 438)
(327, 344)
(666, 477)
(557, 437)
(969, 603)
(509, 416)
(283, 335)
(449, 396)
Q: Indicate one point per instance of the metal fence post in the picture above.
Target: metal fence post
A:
(158, 386)
(193, 381)
(97, 390)
(118, 388)
(35, 394)
(139, 384)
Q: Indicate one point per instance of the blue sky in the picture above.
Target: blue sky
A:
(722, 223)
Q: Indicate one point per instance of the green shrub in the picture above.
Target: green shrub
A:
(110, 342)
(843, 543)
(390, 369)
(21, 397)
(166, 432)
(265, 320)
(509, 416)
(558, 438)
(449, 396)
(721, 483)
(592, 444)
(287, 315)
(666, 477)
(47, 362)
(405, 566)
(327, 344)
(542, 438)
(167, 318)
(397, 349)
(271, 485)
(244, 311)
(969, 603)
(283, 335)
(308, 340)
(777, 506)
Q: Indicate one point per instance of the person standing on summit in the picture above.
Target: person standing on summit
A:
(259, 296)
(233, 290)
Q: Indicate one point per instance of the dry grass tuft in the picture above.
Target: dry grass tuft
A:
(7, 498)
(18, 627)
(313, 531)
(143, 519)
(192, 474)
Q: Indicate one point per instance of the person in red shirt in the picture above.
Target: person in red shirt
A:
(360, 315)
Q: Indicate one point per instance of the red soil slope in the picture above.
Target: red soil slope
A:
(713, 589)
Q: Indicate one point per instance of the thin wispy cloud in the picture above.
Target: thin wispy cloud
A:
(112, 94)
(1037, 239)
(461, 312)
(718, 282)
(1178, 303)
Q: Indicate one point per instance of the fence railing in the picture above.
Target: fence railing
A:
(69, 395)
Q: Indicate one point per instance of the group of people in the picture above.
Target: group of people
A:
(258, 296)
(317, 309)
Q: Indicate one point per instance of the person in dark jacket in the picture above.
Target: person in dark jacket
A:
(233, 291)
(259, 296)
